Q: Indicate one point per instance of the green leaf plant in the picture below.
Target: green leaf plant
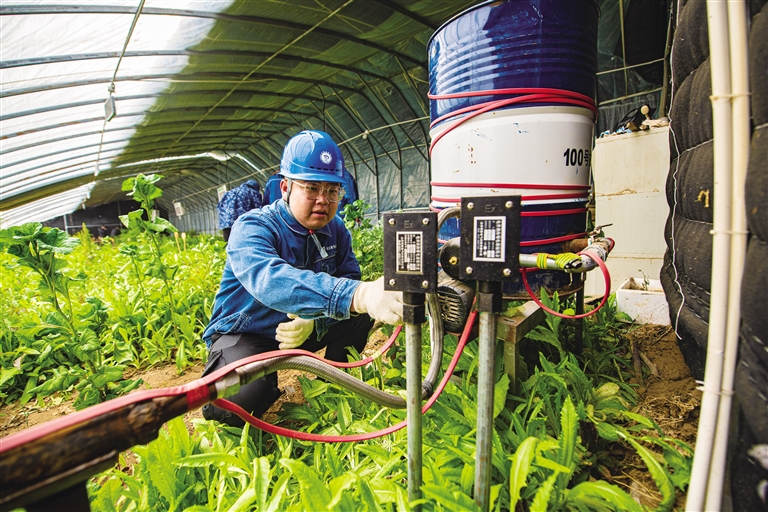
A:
(66, 336)
(367, 240)
(37, 247)
(143, 190)
(552, 444)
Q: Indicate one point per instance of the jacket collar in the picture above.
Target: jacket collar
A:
(287, 217)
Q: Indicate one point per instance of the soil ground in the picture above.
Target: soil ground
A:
(668, 395)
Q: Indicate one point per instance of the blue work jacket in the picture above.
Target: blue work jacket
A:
(238, 201)
(274, 267)
(272, 189)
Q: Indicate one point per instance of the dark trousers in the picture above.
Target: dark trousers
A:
(259, 395)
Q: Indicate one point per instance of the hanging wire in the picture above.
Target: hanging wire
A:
(254, 70)
(111, 87)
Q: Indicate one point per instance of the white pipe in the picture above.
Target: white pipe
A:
(717, 23)
(740, 137)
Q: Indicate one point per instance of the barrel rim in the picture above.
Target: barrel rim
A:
(483, 4)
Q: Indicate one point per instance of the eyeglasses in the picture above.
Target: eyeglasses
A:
(312, 191)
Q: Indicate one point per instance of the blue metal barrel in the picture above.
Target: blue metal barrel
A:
(514, 44)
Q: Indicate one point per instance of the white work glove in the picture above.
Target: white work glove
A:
(381, 305)
(294, 333)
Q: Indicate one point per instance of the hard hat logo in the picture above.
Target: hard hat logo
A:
(312, 155)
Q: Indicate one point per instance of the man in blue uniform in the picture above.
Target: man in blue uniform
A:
(236, 202)
(272, 189)
(350, 187)
(291, 279)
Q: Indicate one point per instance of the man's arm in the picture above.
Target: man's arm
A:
(254, 258)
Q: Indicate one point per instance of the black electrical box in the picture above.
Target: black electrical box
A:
(490, 238)
(410, 252)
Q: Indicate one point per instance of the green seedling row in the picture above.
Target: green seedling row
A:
(79, 316)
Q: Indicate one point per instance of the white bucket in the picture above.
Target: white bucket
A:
(540, 153)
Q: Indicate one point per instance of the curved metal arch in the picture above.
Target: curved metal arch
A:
(265, 155)
(356, 149)
(77, 83)
(285, 56)
(405, 132)
(335, 129)
(6, 151)
(371, 133)
(187, 52)
(344, 88)
(43, 190)
(96, 132)
(351, 90)
(100, 118)
(48, 164)
(54, 153)
(267, 140)
(406, 12)
(157, 135)
(53, 108)
(201, 142)
(170, 77)
(103, 9)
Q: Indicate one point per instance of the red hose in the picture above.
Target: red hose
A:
(196, 392)
(539, 197)
(606, 275)
(528, 95)
(545, 241)
(538, 186)
(305, 436)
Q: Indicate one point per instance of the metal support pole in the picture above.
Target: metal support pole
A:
(413, 315)
(488, 303)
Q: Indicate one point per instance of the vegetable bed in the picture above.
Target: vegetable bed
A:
(83, 322)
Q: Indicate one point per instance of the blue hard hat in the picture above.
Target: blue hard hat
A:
(312, 155)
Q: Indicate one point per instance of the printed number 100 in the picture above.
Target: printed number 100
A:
(576, 157)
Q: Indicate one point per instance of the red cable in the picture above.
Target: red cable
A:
(540, 186)
(544, 241)
(518, 90)
(529, 95)
(526, 96)
(547, 213)
(306, 436)
(196, 392)
(487, 107)
(363, 362)
(540, 213)
(522, 198)
(606, 275)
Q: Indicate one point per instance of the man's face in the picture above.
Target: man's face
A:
(311, 213)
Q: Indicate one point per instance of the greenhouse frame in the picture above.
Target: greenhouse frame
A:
(202, 96)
